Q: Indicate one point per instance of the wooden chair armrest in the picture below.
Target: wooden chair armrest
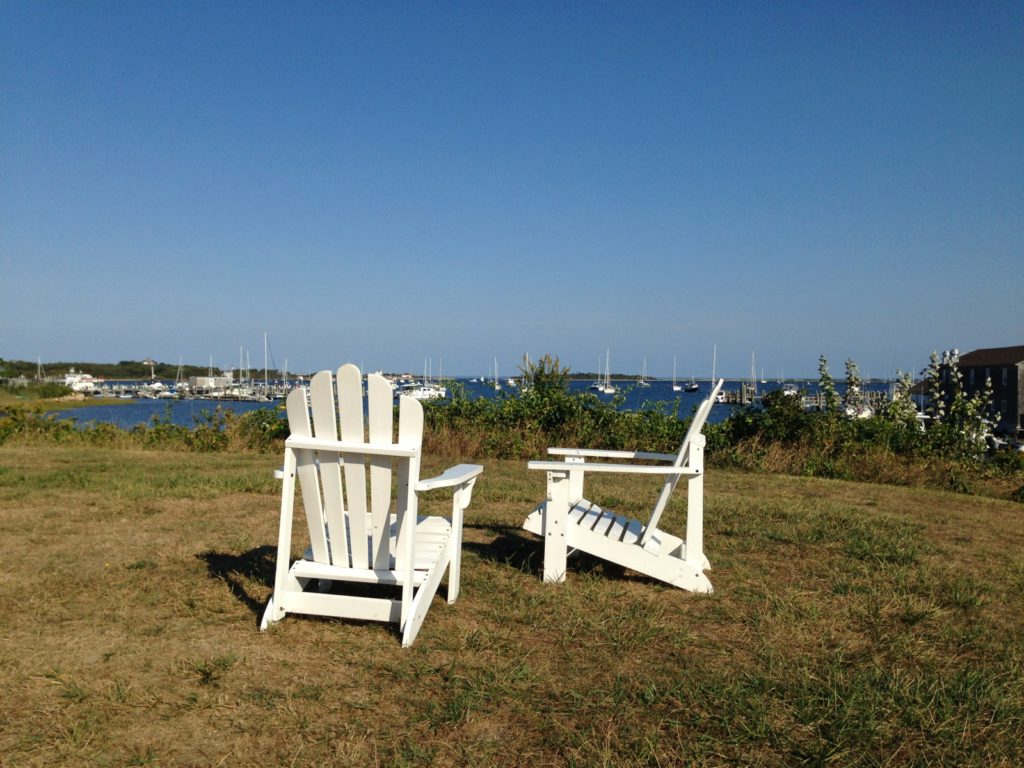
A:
(600, 454)
(635, 469)
(460, 474)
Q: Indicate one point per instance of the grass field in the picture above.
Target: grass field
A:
(852, 624)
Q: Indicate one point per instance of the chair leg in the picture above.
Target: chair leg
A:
(268, 615)
(556, 518)
(455, 567)
(423, 596)
(282, 575)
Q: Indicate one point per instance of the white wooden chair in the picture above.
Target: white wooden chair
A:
(568, 521)
(355, 535)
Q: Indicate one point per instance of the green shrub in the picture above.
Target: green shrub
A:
(35, 424)
(546, 413)
(775, 436)
(210, 430)
(103, 433)
(38, 390)
(263, 428)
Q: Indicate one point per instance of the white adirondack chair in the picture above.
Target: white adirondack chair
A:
(568, 521)
(355, 535)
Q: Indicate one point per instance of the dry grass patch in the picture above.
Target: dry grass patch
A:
(852, 623)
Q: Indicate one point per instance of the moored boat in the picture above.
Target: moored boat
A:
(82, 383)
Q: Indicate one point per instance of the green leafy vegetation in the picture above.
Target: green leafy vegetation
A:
(213, 430)
(33, 392)
(775, 435)
(958, 422)
(892, 446)
(545, 413)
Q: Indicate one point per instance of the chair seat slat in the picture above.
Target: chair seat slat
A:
(606, 521)
(617, 528)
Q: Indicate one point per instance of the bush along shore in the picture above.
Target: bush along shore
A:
(775, 435)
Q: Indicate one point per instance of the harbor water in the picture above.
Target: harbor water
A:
(659, 394)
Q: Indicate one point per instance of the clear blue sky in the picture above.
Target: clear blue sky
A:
(384, 182)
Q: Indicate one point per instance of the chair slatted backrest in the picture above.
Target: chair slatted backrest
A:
(346, 516)
(700, 417)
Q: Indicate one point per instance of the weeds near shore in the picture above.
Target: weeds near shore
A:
(777, 438)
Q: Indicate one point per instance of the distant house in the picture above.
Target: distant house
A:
(1005, 367)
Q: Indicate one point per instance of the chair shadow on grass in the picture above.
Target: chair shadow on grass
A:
(256, 567)
(510, 547)
(241, 572)
(525, 553)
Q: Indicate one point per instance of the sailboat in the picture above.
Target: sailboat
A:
(676, 386)
(606, 385)
(497, 381)
(643, 382)
(714, 361)
(428, 390)
(598, 382)
(180, 383)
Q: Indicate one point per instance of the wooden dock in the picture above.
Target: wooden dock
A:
(747, 394)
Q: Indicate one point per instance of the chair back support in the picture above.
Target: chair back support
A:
(346, 493)
(700, 417)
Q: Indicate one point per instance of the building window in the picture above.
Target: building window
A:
(970, 377)
(1006, 376)
(988, 375)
